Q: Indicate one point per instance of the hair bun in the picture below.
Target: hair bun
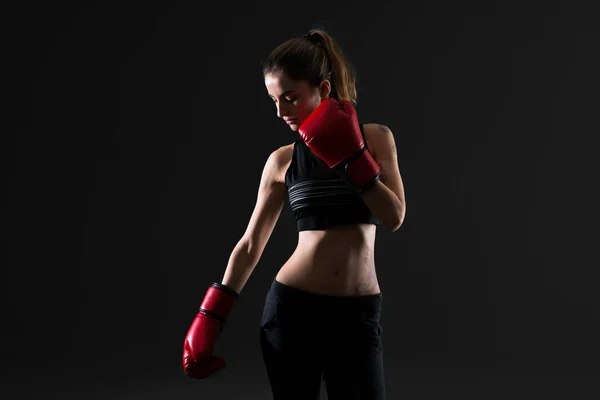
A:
(313, 38)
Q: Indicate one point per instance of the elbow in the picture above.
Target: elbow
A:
(247, 249)
(393, 226)
(396, 222)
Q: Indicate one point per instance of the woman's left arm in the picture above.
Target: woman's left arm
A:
(385, 199)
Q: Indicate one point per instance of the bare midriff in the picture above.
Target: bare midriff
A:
(338, 261)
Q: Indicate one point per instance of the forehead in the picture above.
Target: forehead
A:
(278, 83)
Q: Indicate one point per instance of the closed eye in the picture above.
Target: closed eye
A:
(288, 100)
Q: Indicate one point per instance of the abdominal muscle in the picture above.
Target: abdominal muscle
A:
(338, 261)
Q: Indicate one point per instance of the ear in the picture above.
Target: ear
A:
(325, 88)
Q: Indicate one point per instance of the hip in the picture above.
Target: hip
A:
(330, 276)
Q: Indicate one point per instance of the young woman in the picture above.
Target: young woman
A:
(321, 319)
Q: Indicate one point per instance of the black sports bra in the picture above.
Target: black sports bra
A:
(318, 197)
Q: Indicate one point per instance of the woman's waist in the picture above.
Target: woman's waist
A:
(328, 302)
(318, 263)
(344, 246)
(331, 274)
(342, 238)
(333, 279)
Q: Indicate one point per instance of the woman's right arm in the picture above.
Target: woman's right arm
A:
(269, 203)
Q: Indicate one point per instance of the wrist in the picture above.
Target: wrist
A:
(360, 172)
(218, 301)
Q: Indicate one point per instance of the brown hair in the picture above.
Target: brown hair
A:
(313, 58)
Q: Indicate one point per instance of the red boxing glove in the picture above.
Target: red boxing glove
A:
(332, 132)
(198, 359)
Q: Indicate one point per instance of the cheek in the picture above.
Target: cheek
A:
(305, 109)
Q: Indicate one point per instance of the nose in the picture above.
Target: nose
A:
(282, 110)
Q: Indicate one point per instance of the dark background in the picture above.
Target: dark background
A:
(137, 133)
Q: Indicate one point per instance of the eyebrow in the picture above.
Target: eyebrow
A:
(284, 93)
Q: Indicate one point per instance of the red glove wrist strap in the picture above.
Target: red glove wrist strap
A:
(361, 171)
(218, 301)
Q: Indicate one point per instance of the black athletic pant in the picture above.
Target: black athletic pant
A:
(306, 338)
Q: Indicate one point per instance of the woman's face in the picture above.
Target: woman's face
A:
(295, 100)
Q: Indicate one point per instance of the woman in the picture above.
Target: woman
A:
(321, 319)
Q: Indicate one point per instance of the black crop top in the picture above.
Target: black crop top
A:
(318, 197)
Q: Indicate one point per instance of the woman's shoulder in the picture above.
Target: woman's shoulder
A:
(373, 128)
(283, 157)
(374, 133)
(284, 153)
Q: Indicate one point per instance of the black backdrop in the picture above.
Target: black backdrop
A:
(136, 138)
